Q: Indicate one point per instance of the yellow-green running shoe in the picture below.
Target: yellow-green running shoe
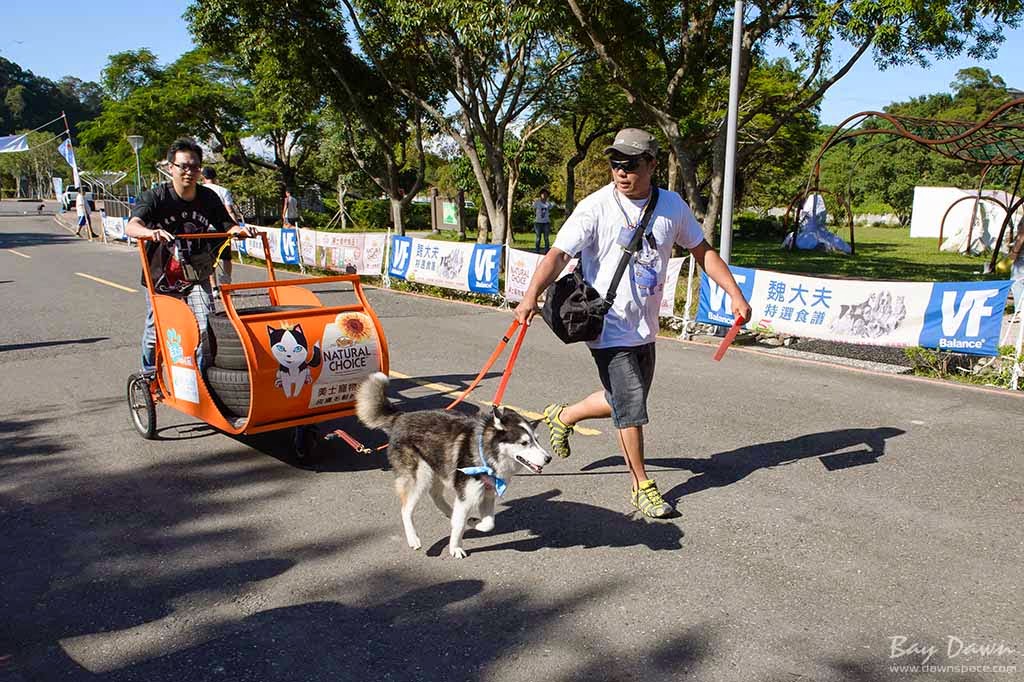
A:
(558, 430)
(650, 502)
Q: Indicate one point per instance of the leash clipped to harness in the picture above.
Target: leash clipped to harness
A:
(362, 449)
(486, 471)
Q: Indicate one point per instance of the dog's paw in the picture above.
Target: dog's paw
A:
(485, 525)
(457, 552)
(414, 542)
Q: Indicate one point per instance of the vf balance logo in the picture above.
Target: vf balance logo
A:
(965, 317)
(483, 271)
(401, 252)
(290, 245)
(715, 305)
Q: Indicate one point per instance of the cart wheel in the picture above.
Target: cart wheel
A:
(140, 403)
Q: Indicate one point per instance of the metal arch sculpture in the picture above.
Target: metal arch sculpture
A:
(996, 141)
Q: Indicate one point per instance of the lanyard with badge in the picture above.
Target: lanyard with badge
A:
(646, 260)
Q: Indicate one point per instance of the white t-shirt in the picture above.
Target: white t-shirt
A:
(224, 193)
(591, 232)
(542, 211)
(80, 204)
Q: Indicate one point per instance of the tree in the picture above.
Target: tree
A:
(672, 60)
(195, 96)
(307, 41)
(592, 107)
(28, 101)
(494, 59)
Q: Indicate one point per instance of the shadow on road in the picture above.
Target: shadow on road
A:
(50, 344)
(555, 524)
(725, 468)
(14, 240)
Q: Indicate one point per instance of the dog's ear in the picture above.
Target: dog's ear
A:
(497, 414)
(534, 423)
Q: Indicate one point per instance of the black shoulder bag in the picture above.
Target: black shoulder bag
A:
(573, 309)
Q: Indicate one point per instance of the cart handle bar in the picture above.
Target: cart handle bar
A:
(201, 235)
(289, 282)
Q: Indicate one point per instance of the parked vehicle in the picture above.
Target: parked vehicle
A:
(67, 200)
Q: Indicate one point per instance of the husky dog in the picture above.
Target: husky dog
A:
(441, 452)
(290, 348)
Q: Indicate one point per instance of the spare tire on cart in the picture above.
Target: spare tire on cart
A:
(229, 353)
(228, 378)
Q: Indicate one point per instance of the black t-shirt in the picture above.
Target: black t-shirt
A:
(162, 209)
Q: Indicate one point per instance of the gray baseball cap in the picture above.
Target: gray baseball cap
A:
(633, 142)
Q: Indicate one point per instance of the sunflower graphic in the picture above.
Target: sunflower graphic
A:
(354, 327)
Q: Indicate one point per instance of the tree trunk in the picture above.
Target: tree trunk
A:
(396, 216)
(342, 192)
(483, 225)
(570, 185)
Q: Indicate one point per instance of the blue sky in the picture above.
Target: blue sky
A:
(79, 46)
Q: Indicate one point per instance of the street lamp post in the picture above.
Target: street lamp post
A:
(136, 143)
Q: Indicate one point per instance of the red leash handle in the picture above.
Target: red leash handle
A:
(508, 366)
(730, 336)
(490, 363)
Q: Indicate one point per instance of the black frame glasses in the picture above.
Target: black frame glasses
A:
(627, 165)
(187, 167)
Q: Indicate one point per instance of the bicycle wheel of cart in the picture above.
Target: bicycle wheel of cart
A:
(140, 403)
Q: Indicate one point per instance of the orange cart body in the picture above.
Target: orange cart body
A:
(349, 338)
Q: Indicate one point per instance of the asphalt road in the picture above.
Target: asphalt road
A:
(824, 512)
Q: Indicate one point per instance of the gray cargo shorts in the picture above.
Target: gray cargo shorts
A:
(626, 374)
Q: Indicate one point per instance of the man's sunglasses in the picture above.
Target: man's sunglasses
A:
(187, 167)
(627, 165)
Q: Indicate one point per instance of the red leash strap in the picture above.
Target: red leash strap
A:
(730, 336)
(508, 366)
(352, 442)
(490, 363)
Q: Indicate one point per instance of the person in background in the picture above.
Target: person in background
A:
(290, 210)
(210, 181)
(542, 221)
(82, 209)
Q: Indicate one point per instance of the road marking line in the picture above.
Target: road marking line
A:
(446, 388)
(443, 388)
(109, 284)
(19, 253)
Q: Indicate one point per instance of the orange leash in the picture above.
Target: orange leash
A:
(490, 363)
(505, 376)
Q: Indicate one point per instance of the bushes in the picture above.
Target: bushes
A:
(375, 214)
(752, 226)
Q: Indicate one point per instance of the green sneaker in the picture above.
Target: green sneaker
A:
(558, 430)
(650, 502)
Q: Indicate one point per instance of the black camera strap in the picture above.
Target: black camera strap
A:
(634, 244)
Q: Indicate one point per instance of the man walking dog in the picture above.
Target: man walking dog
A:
(624, 352)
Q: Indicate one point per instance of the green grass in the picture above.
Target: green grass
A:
(886, 253)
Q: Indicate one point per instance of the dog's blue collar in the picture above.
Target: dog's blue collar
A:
(486, 469)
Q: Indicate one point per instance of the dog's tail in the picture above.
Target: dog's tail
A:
(372, 406)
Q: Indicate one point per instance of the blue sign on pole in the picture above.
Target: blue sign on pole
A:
(290, 245)
(483, 269)
(401, 255)
(714, 306)
(965, 317)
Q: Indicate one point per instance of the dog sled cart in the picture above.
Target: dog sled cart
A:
(293, 364)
